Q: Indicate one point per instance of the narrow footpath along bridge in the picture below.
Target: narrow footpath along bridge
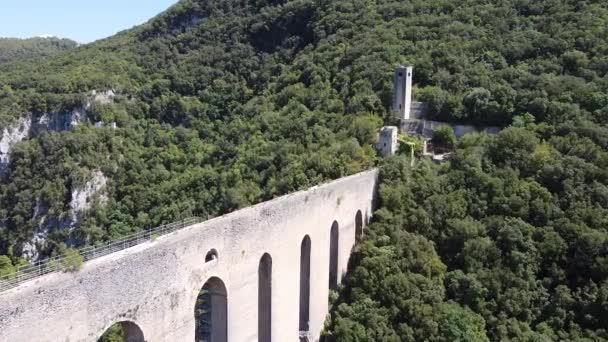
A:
(259, 274)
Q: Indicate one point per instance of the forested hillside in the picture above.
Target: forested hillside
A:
(221, 104)
(217, 105)
(13, 48)
(507, 242)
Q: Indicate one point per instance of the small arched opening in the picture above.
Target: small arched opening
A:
(211, 312)
(333, 255)
(358, 226)
(211, 256)
(123, 332)
(265, 299)
(305, 286)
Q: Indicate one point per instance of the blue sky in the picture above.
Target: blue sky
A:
(81, 20)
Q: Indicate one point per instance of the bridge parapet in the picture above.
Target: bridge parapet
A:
(29, 272)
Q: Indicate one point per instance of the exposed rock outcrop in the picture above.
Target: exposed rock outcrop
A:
(12, 135)
(28, 127)
(31, 249)
(58, 122)
(105, 97)
(82, 197)
(82, 200)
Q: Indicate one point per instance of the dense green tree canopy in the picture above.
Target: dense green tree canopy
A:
(215, 111)
(221, 104)
(14, 49)
(519, 250)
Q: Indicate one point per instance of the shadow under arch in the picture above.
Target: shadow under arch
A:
(211, 312)
(124, 331)
(334, 244)
(265, 299)
(304, 325)
(358, 226)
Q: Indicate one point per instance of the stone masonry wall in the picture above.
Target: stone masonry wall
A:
(155, 285)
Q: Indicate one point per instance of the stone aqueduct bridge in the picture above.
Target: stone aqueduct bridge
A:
(265, 270)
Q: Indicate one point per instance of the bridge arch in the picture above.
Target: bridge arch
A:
(334, 245)
(358, 226)
(211, 312)
(265, 299)
(305, 248)
(126, 331)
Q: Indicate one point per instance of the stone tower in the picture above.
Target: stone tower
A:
(402, 100)
(388, 142)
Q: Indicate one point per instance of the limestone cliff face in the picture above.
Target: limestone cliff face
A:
(65, 121)
(58, 122)
(83, 197)
(105, 97)
(10, 137)
(29, 127)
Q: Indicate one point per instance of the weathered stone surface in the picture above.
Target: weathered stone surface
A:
(28, 126)
(83, 197)
(402, 97)
(10, 137)
(425, 128)
(387, 141)
(155, 285)
(104, 97)
(59, 121)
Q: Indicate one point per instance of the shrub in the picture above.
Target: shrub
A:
(445, 137)
(72, 261)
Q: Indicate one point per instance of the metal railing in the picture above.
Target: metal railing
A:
(57, 264)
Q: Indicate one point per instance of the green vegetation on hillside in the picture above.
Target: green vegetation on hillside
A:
(211, 116)
(12, 49)
(507, 242)
(222, 104)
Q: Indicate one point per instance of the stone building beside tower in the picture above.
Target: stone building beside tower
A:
(413, 116)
